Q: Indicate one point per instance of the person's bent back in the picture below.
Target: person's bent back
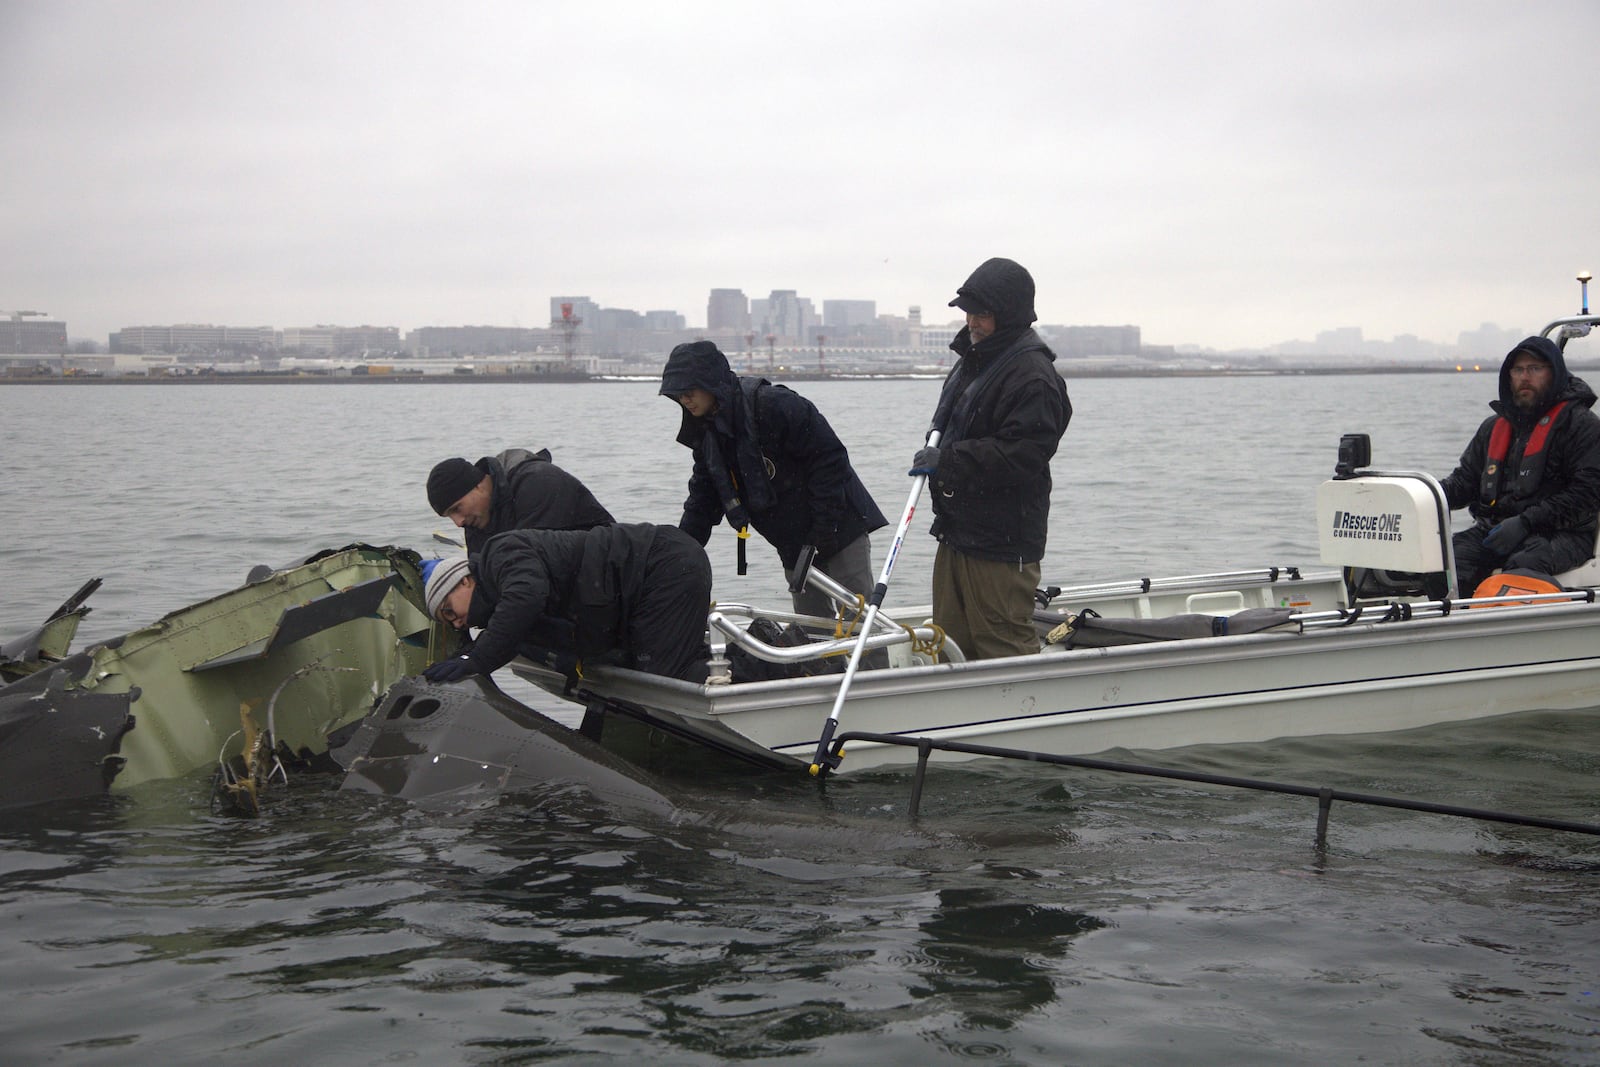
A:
(514, 490)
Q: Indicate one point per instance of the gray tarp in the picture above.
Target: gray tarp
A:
(1090, 630)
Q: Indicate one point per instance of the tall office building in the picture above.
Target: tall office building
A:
(790, 316)
(842, 315)
(727, 309)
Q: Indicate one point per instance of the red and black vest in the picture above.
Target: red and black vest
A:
(1524, 481)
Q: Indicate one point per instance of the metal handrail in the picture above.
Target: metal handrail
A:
(901, 635)
(1325, 795)
(1174, 583)
(1382, 611)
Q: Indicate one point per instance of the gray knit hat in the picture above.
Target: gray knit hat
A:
(440, 580)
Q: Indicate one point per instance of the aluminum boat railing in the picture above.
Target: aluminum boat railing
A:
(1410, 610)
(1174, 584)
(723, 621)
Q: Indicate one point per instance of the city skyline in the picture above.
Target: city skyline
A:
(1227, 174)
(1483, 338)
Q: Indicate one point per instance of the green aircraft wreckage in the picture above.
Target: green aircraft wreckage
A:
(260, 674)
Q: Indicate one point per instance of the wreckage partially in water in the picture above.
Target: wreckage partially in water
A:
(255, 675)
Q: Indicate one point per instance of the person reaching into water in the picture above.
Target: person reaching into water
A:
(632, 593)
(1001, 415)
(515, 490)
(1530, 476)
(765, 458)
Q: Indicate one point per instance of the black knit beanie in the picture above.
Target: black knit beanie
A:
(450, 481)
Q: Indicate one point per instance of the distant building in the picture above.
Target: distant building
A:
(789, 317)
(478, 340)
(342, 340)
(1344, 341)
(24, 332)
(727, 310)
(1076, 342)
(198, 338)
(664, 322)
(841, 315)
(1488, 341)
(565, 308)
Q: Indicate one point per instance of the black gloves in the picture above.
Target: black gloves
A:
(926, 461)
(1503, 539)
(451, 670)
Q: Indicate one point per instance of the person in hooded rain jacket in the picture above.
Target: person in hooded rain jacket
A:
(1001, 415)
(515, 490)
(766, 458)
(629, 592)
(1530, 476)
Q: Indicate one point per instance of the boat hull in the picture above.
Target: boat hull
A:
(1356, 679)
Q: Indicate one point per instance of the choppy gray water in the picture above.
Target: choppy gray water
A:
(1031, 916)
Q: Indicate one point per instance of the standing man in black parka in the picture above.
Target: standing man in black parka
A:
(766, 458)
(1001, 415)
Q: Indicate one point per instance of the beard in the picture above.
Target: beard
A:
(1535, 402)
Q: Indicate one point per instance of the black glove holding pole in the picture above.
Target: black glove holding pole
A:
(926, 461)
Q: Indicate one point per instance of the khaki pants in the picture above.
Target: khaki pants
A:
(851, 567)
(984, 605)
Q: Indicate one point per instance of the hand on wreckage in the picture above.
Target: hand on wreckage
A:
(451, 670)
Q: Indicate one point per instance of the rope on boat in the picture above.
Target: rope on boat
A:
(1325, 795)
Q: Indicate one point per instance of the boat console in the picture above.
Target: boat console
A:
(1388, 530)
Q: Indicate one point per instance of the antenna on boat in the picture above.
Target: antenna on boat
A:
(1583, 281)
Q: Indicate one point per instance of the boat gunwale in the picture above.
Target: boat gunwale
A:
(712, 703)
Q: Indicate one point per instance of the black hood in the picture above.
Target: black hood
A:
(1563, 385)
(699, 365)
(1002, 287)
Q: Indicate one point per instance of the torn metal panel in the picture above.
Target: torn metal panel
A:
(468, 742)
(57, 741)
(48, 643)
(355, 614)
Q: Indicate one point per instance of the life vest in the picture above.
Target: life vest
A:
(1530, 470)
(1513, 584)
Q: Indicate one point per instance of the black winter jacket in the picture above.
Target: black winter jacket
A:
(1001, 415)
(535, 582)
(532, 493)
(1559, 490)
(768, 457)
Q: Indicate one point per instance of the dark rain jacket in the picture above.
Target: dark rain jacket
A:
(767, 458)
(532, 493)
(1001, 415)
(532, 583)
(1556, 487)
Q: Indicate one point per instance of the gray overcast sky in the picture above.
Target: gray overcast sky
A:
(1228, 174)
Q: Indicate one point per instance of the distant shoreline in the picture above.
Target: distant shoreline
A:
(566, 379)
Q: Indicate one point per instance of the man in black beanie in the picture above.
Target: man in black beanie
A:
(515, 490)
(1001, 415)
